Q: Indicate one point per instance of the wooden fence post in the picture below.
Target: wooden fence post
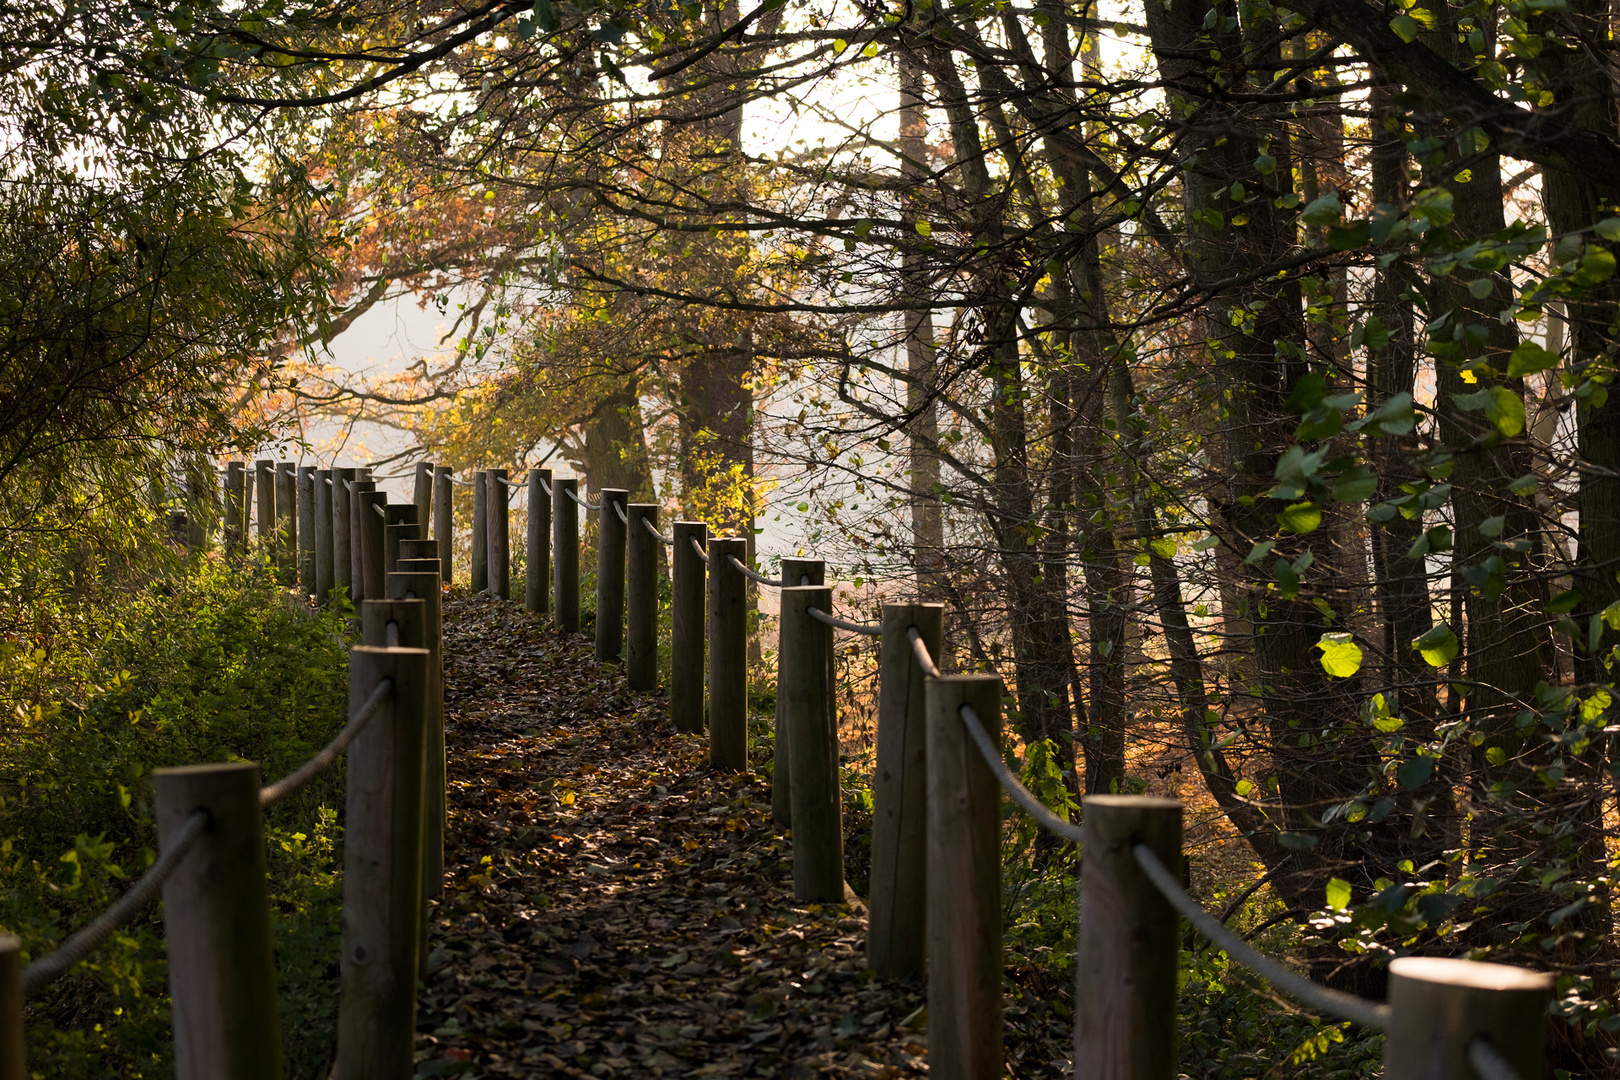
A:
(287, 522)
(324, 581)
(409, 618)
(728, 655)
(444, 518)
(13, 1043)
(422, 497)
(342, 531)
(418, 549)
(382, 868)
(806, 710)
(216, 919)
(610, 570)
(202, 504)
(1439, 1006)
(395, 535)
(372, 539)
(480, 532)
(641, 597)
(1130, 940)
(565, 553)
(306, 529)
(795, 572)
(357, 574)
(235, 507)
(688, 626)
(264, 479)
(537, 574)
(897, 938)
(420, 584)
(964, 884)
(498, 497)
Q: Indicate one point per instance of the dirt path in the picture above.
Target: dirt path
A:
(616, 909)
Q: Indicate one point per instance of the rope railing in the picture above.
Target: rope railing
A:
(618, 508)
(52, 966)
(274, 793)
(382, 511)
(869, 629)
(545, 487)
(753, 575)
(1010, 783)
(697, 547)
(462, 483)
(647, 524)
(585, 503)
(1334, 1002)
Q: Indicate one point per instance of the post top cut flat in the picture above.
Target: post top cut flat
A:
(1474, 974)
(1140, 802)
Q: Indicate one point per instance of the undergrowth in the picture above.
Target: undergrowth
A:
(206, 662)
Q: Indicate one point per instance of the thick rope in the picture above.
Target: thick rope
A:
(618, 508)
(47, 969)
(919, 649)
(583, 502)
(647, 524)
(462, 483)
(274, 793)
(381, 512)
(544, 487)
(1345, 1006)
(751, 574)
(704, 555)
(1010, 782)
(870, 629)
(1489, 1063)
(512, 483)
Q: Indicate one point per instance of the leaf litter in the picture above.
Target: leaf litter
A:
(612, 907)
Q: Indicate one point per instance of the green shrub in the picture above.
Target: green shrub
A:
(210, 663)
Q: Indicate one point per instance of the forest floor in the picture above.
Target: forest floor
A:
(613, 907)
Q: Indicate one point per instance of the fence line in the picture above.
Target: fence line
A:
(935, 904)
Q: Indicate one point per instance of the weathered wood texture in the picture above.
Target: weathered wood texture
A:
(479, 556)
(964, 885)
(236, 507)
(417, 580)
(565, 553)
(897, 939)
(306, 529)
(357, 587)
(688, 626)
(641, 597)
(498, 500)
(287, 522)
(216, 918)
(422, 497)
(610, 553)
(264, 482)
(1129, 942)
(444, 519)
(372, 549)
(807, 711)
(342, 530)
(1439, 1006)
(382, 869)
(324, 553)
(395, 536)
(794, 572)
(728, 655)
(537, 572)
(418, 549)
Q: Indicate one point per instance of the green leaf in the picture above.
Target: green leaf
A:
(924, 228)
(1300, 518)
(1564, 602)
(1355, 484)
(1438, 645)
(1349, 237)
(1496, 756)
(545, 16)
(1530, 358)
(1323, 211)
(1372, 333)
(1405, 27)
(1506, 411)
(1341, 656)
(1415, 771)
(1243, 787)
(1338, 894)
(1492, 526)
(1611, 616)
(1608, 228)
(1393, 417)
